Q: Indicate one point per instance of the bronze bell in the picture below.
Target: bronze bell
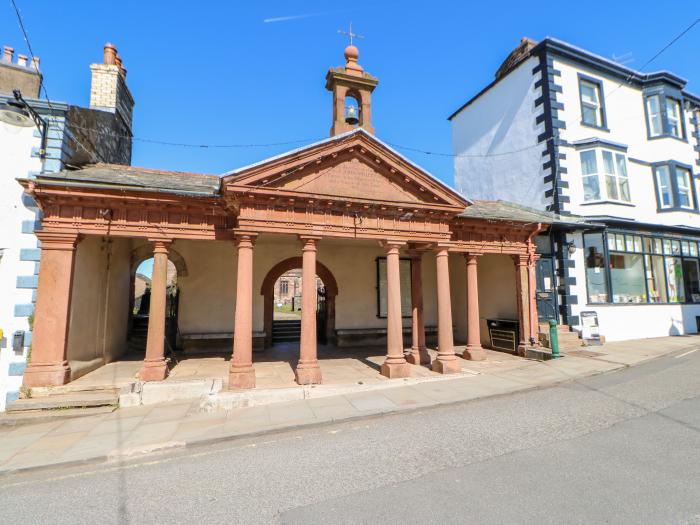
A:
(351, 116)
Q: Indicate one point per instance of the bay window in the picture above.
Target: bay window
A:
(664, 112)
(674, 187)
(604, 176)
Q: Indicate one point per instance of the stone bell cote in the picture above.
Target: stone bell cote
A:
(352, 94)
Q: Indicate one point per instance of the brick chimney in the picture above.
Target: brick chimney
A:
(108, 91)
(20, 74)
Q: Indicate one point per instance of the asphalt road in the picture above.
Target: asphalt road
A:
(618, 448)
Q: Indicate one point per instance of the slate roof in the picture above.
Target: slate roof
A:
(128, 177)
(509, 211)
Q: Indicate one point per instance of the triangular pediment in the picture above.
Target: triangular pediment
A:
(353, 166)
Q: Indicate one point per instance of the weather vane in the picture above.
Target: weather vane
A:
(350, 34)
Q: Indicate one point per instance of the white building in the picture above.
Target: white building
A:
(569, 131)
(75, 136)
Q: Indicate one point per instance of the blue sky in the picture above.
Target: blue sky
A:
(211, 72)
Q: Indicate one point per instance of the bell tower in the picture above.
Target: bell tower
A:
(352, 93)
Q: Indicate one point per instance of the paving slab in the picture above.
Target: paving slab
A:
(143, 429)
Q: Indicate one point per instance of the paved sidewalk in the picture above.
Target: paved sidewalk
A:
(130, 432)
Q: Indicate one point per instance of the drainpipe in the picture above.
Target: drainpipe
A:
(532, 285)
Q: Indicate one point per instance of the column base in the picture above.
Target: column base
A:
(394, 370)
(308, 373)
(522, 349)
(155, 370)
(241, 378)
(418, 356)
(474, 353)
(46, 375)
(447, 366)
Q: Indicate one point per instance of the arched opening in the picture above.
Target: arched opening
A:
(139, 309)
(279, 305)
(287, 307)
(353, 108)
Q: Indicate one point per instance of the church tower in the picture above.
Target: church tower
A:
(352, 93)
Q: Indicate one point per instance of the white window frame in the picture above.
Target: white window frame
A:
(603, 175)
(674, 124)
(651, 116)
(595, 105)
(660, 187)
(686, 189)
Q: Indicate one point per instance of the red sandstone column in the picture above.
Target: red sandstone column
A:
(49, 365)
(532, 287)
(154, 366)
(522, 297)
(395, 364)
(419, 354)
(446, 362)
(241, 373)
(307, 371)
(473, 351)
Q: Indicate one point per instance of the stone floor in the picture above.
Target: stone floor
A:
(274, 367)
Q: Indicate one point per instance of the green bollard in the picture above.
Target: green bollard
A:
(553, 338)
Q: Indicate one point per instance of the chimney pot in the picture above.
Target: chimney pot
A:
(22, 60)
(118, 61)
(110, 54)
(7, 54)
(35, 63)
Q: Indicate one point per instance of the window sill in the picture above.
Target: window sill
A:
(593, 126)
(616, 203)
(667, 136)
(677, 209)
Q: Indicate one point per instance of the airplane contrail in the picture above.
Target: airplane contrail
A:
(292, 17)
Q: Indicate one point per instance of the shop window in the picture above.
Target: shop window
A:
(691, 275)
(627, 278)
(596, 273)
(674, 279)
(656, 282)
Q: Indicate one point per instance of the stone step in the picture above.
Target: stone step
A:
(285, 331)
(286, 323)
(286, 339)
(23, 417)
(65, 401)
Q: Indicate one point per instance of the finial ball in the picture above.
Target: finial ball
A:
(351, 53)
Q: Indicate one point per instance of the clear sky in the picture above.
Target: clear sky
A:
(216, 72)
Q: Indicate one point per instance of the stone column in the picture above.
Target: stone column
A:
(446, 362)
(48, 365)
(523, 301)
(473, 351)
(307, 371)
(532, 283)
(154, 366)
(241, 373)
(395, 364)
(419, 354)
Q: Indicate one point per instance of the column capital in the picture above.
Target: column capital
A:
(58, 240)
(161, 245)
(521, 259)
(391, 246)
(245, 239)
(472, 257)
(309, 242)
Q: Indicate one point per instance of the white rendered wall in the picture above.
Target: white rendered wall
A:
(626, 121)
(502, 120)
(15, 162)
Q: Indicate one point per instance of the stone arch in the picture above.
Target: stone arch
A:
(267, 290)
(140, 254)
